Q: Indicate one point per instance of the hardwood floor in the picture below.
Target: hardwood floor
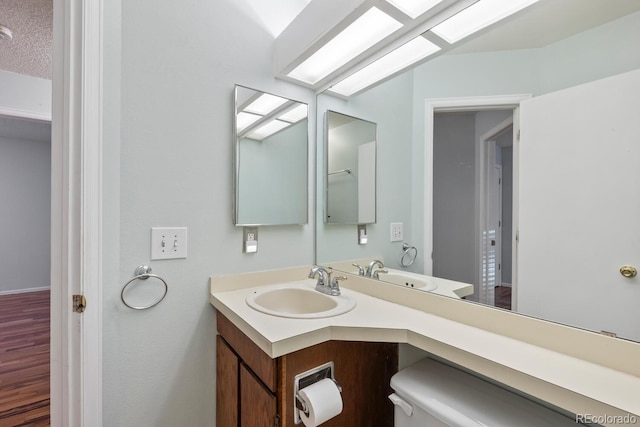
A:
(24, 359)
(503, 297)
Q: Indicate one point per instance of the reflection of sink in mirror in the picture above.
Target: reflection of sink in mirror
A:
(299, 301)
(408, 280)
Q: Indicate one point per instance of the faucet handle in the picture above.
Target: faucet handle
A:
(361, 269)
(335, 286)
(376, 274)
(335, 279)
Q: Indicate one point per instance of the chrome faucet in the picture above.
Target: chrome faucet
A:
(326, 284)
(372, 265)
(322, 273)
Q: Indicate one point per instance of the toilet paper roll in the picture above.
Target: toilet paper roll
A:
(323, 402)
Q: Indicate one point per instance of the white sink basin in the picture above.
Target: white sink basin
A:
(298, 301)
(409, 281)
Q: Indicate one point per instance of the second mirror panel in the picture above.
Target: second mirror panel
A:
(350, 170)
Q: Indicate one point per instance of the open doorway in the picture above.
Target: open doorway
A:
(26, 73)
(25, 279)
(472, 200)
(496, 214)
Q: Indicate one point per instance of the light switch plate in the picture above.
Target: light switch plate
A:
(168, 243)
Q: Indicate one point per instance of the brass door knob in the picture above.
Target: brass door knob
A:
(628, 271)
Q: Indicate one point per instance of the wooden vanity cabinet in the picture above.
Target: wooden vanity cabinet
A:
(254, 390)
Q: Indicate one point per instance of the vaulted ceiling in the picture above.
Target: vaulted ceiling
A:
(31, 21)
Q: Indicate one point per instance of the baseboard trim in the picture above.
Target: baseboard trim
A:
(24, 291)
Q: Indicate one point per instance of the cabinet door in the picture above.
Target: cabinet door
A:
(257, 403)
(227, 396)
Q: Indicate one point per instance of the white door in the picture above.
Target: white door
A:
(579, 205)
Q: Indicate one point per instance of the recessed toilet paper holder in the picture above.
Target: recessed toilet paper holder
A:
(305, 379)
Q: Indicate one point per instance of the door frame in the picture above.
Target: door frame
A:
(441, 105)
(76, 213)
(485, 162)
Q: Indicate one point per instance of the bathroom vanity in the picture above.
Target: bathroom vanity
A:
(254, 389)
(258, 353)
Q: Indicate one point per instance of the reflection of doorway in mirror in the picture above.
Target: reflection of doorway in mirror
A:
(496, 262)
(472, 201)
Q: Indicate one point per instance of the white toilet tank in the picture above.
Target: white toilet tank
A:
(431, 394)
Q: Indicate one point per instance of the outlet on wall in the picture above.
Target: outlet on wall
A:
(396, 232)
(249, 240)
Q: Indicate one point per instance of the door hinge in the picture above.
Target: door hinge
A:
(518, 136)
(276, 421)
(79, 303)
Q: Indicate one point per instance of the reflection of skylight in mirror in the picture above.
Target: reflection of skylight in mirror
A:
(394, 61)
(265, 104)
(268, 129)
(414, 8)
(243, 120)
(295, 115)
(477, 16)
(364, 32)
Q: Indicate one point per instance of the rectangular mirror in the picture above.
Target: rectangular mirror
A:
(271, 159)
(350, 170)
(556, 241)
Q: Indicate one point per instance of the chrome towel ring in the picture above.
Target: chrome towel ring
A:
(143, 272)
(409, 255)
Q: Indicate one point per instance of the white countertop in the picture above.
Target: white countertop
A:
(572, 383)
(445, 287)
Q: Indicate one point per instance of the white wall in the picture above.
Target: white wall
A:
(25, 187)
(20, 93)
(25, 213)
(454, 196)
(168, 162)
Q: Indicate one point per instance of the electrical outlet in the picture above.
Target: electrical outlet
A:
(396, 232)
(249, 240)
(168, 243)
(362, 234)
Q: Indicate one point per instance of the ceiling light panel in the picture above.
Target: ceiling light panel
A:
(478, 16)
(268, 129)
(414, 8)
(369, 29)
(265, 104)
(244, 120)
(402, 57)
(295, 115)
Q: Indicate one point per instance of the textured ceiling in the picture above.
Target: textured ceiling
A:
(31, 22)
